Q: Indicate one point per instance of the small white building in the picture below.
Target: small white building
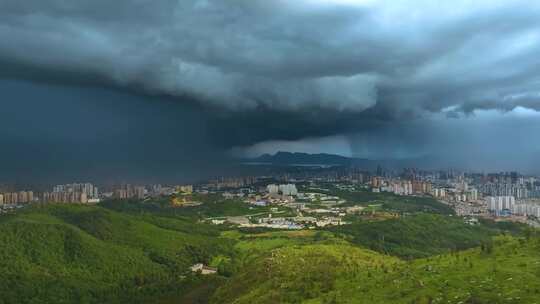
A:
(203, 269)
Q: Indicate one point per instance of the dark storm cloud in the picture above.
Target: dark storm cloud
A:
(220, 54)
(286, 55)
(61, 134)
(487, 141)
(255, 70)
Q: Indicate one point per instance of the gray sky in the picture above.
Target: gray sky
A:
(367, 78)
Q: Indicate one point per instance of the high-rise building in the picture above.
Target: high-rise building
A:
(500, 203)
(14, 198)
(120, 194)
(139, 192)
(272, 189)
(23, 197)
(376, 182)
(439, 192)
(526, 209)
(428, 187)
(288, 189)
(419, 187)
(87, 188)
(473, 194)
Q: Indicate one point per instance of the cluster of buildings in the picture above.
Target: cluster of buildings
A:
(527, 209)
(129, 191)
(323, 209)
(65, 197)
(284, 189)
(291, 223)
(68, 193)
(470, 194)
(272, 194)
(400, 186)
(277, 223)
(72, 193)
(89, 189)
(519, 191)
(84, 193)
(508, 184)
(14, 198)
(298, 222)
(506, 194)
(456, 194)
(507, 205)
(407, 187)
(221, 183)
(88, 193)
(500, 203)
(458, 191)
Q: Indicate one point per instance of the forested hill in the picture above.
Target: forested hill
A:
(505, 271)
(142, 253)
(78, 254)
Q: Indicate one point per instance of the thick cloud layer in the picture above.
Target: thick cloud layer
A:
(292, 55)
(56, 134)
(379, 73)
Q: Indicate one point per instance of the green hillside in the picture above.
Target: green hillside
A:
(76, 254)
(506, 271)
(132, 254)
(421, 235)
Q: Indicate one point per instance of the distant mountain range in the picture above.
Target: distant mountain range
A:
(296, 158)
(427, 162)
(319, 159)
(324, 159)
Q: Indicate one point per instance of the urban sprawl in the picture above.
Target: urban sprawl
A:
(310, 198)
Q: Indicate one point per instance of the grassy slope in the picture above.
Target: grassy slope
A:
(171, 241)
(419, 235)
(65, 254)
(347, 274)
(294, 273)
(89, 254)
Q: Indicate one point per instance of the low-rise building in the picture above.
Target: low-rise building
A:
(203, 269)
